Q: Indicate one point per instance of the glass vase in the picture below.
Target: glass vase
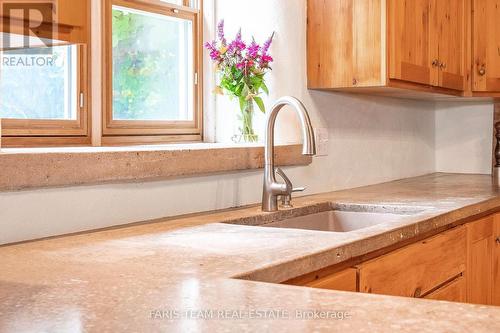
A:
(246, 131)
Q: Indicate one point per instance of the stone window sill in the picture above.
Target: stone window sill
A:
(31, 168)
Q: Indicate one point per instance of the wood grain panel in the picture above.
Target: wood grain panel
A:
(344, 280)
(454, 291)
(480, 270)
(486, 45)
(409, 40)
(416, 269)
(450, 32)
(496, 262)
(345, 51)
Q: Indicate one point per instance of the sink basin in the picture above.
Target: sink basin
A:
(337, 221)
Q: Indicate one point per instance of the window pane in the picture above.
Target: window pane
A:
(152, 66)
(35, 84)
(175, 2)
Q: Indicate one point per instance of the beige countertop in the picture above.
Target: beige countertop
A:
(180, 274)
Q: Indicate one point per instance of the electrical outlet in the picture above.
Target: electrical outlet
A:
(321, 135)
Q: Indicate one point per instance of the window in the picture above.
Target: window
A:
(25, 71)
(41, 92)
(151, 74)
(152, 86)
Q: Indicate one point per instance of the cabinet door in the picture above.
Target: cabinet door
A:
(480, 270)
(449, 28)
(410, 53)
(418, 269)
(486, 46)
(496, 263)
(344, 47)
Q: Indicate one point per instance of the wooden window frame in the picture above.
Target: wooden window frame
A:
(131, 131)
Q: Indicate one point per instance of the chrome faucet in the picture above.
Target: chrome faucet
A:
(273, 189)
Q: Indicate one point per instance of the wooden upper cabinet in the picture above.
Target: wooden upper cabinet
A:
(72, 13)
(449, 28)
(344, 44)
(390, 46)
(410, 50)
(61, 20)
(486, 46)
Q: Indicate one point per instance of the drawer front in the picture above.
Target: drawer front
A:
(455, 291)
(344, 280)
(417, 269)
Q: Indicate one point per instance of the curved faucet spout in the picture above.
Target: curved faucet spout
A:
(272, 189)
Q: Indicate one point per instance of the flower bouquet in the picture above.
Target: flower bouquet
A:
(241, 68)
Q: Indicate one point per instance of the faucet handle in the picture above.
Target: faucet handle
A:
(288, 182)
(286, 199)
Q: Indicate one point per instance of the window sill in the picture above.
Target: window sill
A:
(31, 168)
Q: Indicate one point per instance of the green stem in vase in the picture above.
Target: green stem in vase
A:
(247, 123)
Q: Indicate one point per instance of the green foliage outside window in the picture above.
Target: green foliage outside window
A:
(146, 71)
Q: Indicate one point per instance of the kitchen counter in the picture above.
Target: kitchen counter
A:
(197, 274)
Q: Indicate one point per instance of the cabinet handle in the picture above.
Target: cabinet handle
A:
(435, 63)
(482, 71)
(498, 240)
(442, 65)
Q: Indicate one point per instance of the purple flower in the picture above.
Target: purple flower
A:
(267, 44)
(220, 33)
(253, 50)
(266, 59)
(237, 45)
(214, 53)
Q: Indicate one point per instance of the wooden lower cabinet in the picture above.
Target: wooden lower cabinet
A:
(458, 265)
(417, 269)
(480, 265)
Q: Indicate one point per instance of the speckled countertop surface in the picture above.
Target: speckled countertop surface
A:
(179, 275)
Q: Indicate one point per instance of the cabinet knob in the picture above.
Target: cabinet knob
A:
(482, 71)
(498, 240)
(435, 63)
(442, 65)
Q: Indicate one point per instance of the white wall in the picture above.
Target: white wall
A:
(372, 140)
(464, 137)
